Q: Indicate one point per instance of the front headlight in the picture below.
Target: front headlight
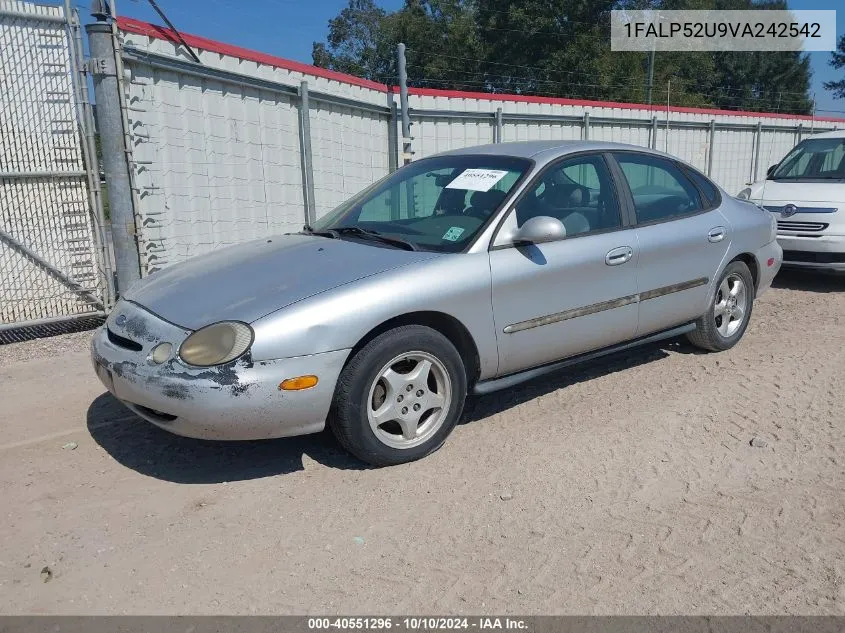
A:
(216, 344)
(745, 194)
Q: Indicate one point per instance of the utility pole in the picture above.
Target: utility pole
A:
(113, 142)
(403, 104)
(306, 161)
(813, 120)
(668, 89)
(650, 75)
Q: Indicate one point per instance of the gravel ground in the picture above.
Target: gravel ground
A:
(50, 347)
(660, 481)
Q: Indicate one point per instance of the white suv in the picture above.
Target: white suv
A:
(806, 192)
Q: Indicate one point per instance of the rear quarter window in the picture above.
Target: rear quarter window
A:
(710, 191)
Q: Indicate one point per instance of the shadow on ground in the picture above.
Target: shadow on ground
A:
(145, 448)
(151, 451)
(500, 401)
(809, 280)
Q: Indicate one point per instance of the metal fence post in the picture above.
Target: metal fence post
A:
(712, 146)
(114, 151)
(89, 152)
(758, 133)
(654, 132)
(403, 102)
(800, 132)
(392, 141)
(305, 155)
(586, 126)
(498, 134)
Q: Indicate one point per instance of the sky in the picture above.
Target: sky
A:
(287, 28)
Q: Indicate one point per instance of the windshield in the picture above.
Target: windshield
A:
(813, 159)
(437, 204)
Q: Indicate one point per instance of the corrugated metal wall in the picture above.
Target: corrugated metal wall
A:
(217, 163)
(438, 127)
(350, 151)
(217, 151)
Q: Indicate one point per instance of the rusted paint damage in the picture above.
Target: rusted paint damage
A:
(136, 327)
(224, 377)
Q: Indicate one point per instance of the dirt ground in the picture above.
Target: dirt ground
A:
(626, 486)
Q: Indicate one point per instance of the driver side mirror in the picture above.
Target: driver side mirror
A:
(538, 230)
(770, 171)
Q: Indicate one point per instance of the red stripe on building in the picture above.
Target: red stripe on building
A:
(139, 27)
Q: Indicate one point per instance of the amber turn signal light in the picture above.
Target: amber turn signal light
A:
(298, 383)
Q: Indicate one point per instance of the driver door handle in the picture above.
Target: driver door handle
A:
(717, 234)
(619, 255)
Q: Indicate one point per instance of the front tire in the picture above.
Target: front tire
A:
(726, 320)
(399, 396)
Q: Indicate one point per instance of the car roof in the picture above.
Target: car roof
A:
(544, 151)
(831, 134)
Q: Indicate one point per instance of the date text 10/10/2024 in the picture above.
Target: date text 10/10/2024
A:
(418, 623)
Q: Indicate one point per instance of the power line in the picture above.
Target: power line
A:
(681, 80)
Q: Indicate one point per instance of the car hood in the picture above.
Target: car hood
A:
(785, 192)
(248, 281)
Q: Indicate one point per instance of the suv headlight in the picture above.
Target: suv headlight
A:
(216, 344)
(745, 194)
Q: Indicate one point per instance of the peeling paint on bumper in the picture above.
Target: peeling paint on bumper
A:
(238, 401)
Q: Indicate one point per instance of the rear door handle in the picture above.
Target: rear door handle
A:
(717, 234)
(619, 255)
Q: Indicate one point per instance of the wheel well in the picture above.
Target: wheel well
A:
(751, 262)
(446, 324)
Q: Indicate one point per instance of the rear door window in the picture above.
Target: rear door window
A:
(661, 191)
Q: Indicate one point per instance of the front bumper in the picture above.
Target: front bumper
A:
(237, 401)
(822, 252)
(771, 251)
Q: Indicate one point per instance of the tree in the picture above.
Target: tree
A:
(837, 60)
(557, 48)
(439, 36)
(358, 42)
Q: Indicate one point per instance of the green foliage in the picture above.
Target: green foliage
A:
(556, 48)
(837, 60)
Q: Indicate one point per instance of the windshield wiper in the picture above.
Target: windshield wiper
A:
(327, 233)
(365, 233)
(369, 233)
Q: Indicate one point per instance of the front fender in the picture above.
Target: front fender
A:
(457, 285)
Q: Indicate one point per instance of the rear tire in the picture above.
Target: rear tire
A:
(399, 396)
(727, 317)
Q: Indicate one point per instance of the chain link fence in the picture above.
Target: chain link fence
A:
(53, 259)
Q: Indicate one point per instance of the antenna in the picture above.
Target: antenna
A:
(173, 28)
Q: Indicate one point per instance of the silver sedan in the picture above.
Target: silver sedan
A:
(465, 272)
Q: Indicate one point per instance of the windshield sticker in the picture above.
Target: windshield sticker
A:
(477, 179)
(453, 234)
